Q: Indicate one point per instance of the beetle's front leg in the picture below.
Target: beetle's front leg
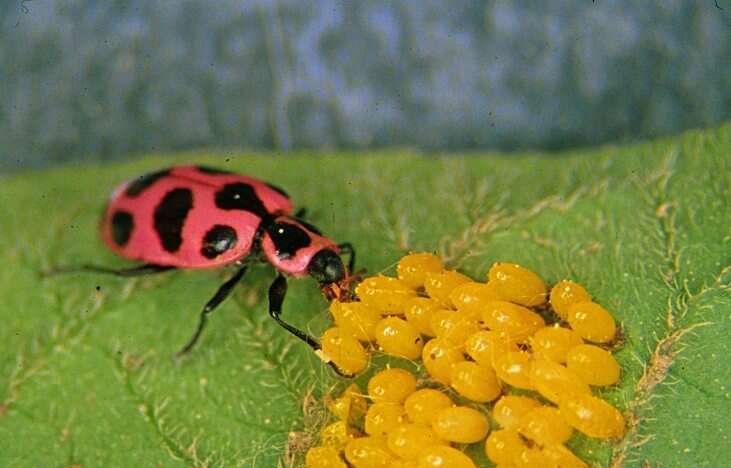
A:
(277, 291)
(347, 248)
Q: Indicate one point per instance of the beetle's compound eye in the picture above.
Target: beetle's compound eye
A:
(326, 267)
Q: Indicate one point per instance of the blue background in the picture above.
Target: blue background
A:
(101, 80)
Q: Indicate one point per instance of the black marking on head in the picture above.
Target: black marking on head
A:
(277, 189)
(142, 183)
(217, 240)
(122, 226)
(170, 216)
(240, 196)
(326, 267)
(211, 170)
(287, 238)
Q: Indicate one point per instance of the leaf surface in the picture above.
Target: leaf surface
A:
(86, 375)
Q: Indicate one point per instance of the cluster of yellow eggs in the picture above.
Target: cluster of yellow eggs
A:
(480, 340)
(401, 428)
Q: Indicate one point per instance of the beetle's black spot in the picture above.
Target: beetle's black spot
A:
(277, 189)
(142, 183)
(122, 226)
(217, 240)
(211, 170)
(287, 238)
(309, 226)
(240, 196)
(170, 216)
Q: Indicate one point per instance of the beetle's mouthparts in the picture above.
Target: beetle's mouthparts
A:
(343, 290)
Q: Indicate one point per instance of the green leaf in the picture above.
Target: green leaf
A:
(86, 375)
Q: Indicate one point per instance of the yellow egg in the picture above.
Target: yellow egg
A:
(422, 405)
(398, 337)
(510, 409)
(563, 457)
(344, 351)
(391, 385)
(418, 312)
(514, 368)
(471, 297)
(554, 342)
(356, 318)
(486, 346)
(385, 294)
(592, 416)
(553, 381)
(324, 457)
(412, 268)
(592, 321)
(593, 365)
(439, 356)
(518, 284)
(504, 445)
(460, 424)
(382, 417)
(368, 452)
(475, 382)
(350, 405)
(511, 320)
(453, 326)
(565, 294)
(441, 456)
(545, 426)
(440, 285)
(336, 434)
(409, 440)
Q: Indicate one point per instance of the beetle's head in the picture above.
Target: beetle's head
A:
(336, 282)
(326, 267)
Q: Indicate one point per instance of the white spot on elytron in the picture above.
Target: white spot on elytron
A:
(280, 231)
(237, 196)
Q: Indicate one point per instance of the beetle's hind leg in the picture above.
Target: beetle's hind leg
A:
(223, 292)
(139, 270)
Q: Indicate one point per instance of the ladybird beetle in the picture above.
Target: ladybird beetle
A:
(196, 217)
